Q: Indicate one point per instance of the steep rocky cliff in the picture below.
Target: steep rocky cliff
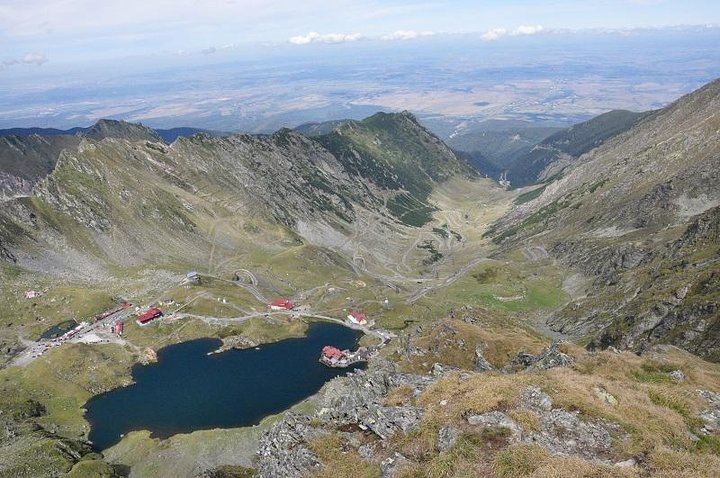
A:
(24, 160)
(636, 216)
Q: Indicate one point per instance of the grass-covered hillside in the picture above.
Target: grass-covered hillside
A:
(637, 219)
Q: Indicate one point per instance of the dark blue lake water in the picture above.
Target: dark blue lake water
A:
(188, 390)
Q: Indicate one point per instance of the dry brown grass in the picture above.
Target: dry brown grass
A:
(499, 339)
(653, 415)
(471, 456)
(570, 467)
(339, 460)
(399, 396)
(478, 394)
(421, 443)
(500, 345)
(533, 461)
(519, 460)
(526, 419)
(648, 424)
(667, 463)
(649, 415)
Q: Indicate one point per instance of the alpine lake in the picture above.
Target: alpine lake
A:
(190, 388)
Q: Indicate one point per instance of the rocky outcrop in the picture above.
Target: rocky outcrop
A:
(664, 295)
(13, 186)
(710, 415)
(702, 231)
(358, 400)
(550, 357)
(284, 450)
(560, 432)
(603, 264)
(239, 342)
(354, 401)
(147, 356)
(447, 437)
(5, 254)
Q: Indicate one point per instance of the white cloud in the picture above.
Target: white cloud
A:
(494, 34)
(315, 37)
(497, 33)
(36, 59)
(405, 35)
(527, 30)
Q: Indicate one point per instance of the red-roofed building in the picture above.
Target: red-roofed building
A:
(332, 353)
(282, 304)
(149, 315)
(334, 357)
(357, 317)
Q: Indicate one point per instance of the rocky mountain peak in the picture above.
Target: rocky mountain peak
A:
(108, 128)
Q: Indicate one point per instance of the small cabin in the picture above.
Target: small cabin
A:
(282, 304)
(149, 315)
(357, 317)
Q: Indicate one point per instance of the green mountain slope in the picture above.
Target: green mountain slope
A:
(397, 153)
(551, 155)
(120, 195)
(500, 141)
(637, 217)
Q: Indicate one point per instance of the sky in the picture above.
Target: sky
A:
(35, 33)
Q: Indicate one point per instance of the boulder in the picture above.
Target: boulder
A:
(496, 419)
(711, 415)
(481, 363)
(677, 376)
(390, 465)
(447, 437)
(550, 357)
(533, 398)
(605, 396)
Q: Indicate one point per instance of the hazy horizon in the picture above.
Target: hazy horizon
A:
(255, 67)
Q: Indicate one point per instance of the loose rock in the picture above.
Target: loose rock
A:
(481, 363)
(447, 437)
(534, 399)
(605, 396)
(283, 450)
(678, 376)
(391, 464)
(550, 357)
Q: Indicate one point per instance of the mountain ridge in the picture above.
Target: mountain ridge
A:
(284, 178)
(610, 216)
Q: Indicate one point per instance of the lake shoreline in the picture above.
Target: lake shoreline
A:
(167, 397)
